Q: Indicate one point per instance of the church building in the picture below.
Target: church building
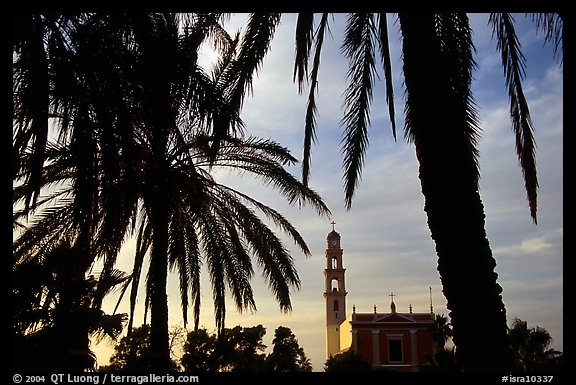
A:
(393, 340)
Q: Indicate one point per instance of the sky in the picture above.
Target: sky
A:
(386, 242)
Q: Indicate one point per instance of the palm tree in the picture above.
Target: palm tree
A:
(441, 330)
(441, 121)
(530, 346)
(141, 126)
(442, 359)
(184, 205)
(54, 313)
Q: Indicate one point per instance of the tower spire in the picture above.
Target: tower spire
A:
(431, 307)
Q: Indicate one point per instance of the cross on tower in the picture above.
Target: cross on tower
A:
(391, 295)
(333, 223)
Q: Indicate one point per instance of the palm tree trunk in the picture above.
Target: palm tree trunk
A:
(157, 200)
(448, 173)
(158, 276)
(154, 36)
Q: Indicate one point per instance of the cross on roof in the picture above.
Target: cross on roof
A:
(391, 295)
(333, 223)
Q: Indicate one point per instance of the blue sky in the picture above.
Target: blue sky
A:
(386, 241)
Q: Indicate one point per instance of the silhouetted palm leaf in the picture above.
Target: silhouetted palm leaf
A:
(514, 66)
(301, 67)
(358, 47)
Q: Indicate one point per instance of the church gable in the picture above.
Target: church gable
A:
(394, 317)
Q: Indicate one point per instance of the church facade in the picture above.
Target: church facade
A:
(392, 340)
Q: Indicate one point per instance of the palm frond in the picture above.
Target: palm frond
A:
(235, 79)
(45, 230)
(177, 256)
(276, 263)
(455, 39)
(43, 201)
(109, 280)
(311, 109)
(358, 46)
(239, 269)
(250, 150)
(273, 258)
(385, 56)
(552, 24)
(107, 325)
(278, 219)
(213, 241)
(513, 62)
(304, 37)
(253, 48)
(260, 158)
(127, 283)
(143, 242)
(184, 256)
(194, 263)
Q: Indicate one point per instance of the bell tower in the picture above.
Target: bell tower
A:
(334, 293)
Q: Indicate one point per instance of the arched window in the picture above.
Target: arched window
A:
(335, 285)
(334, 262)
(335, 305)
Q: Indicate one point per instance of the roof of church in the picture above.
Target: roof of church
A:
(382, 318)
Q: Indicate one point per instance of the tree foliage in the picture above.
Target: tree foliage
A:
(137, 129)
(132, 353)
(441, 330)
(56, 314)
(198, 351)
(347, 362)
(241, 349)
(287, 355)
(532, 348)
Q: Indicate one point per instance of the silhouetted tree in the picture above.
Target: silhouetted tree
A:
(133, 353)
(239, 349)
(287, 354)
(531, 348)
(441, 330)
(140, 126)
(55, 315)
(198, 351)
(347, 362)
(442, 359)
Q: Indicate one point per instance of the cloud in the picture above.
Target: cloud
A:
(540, 245)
